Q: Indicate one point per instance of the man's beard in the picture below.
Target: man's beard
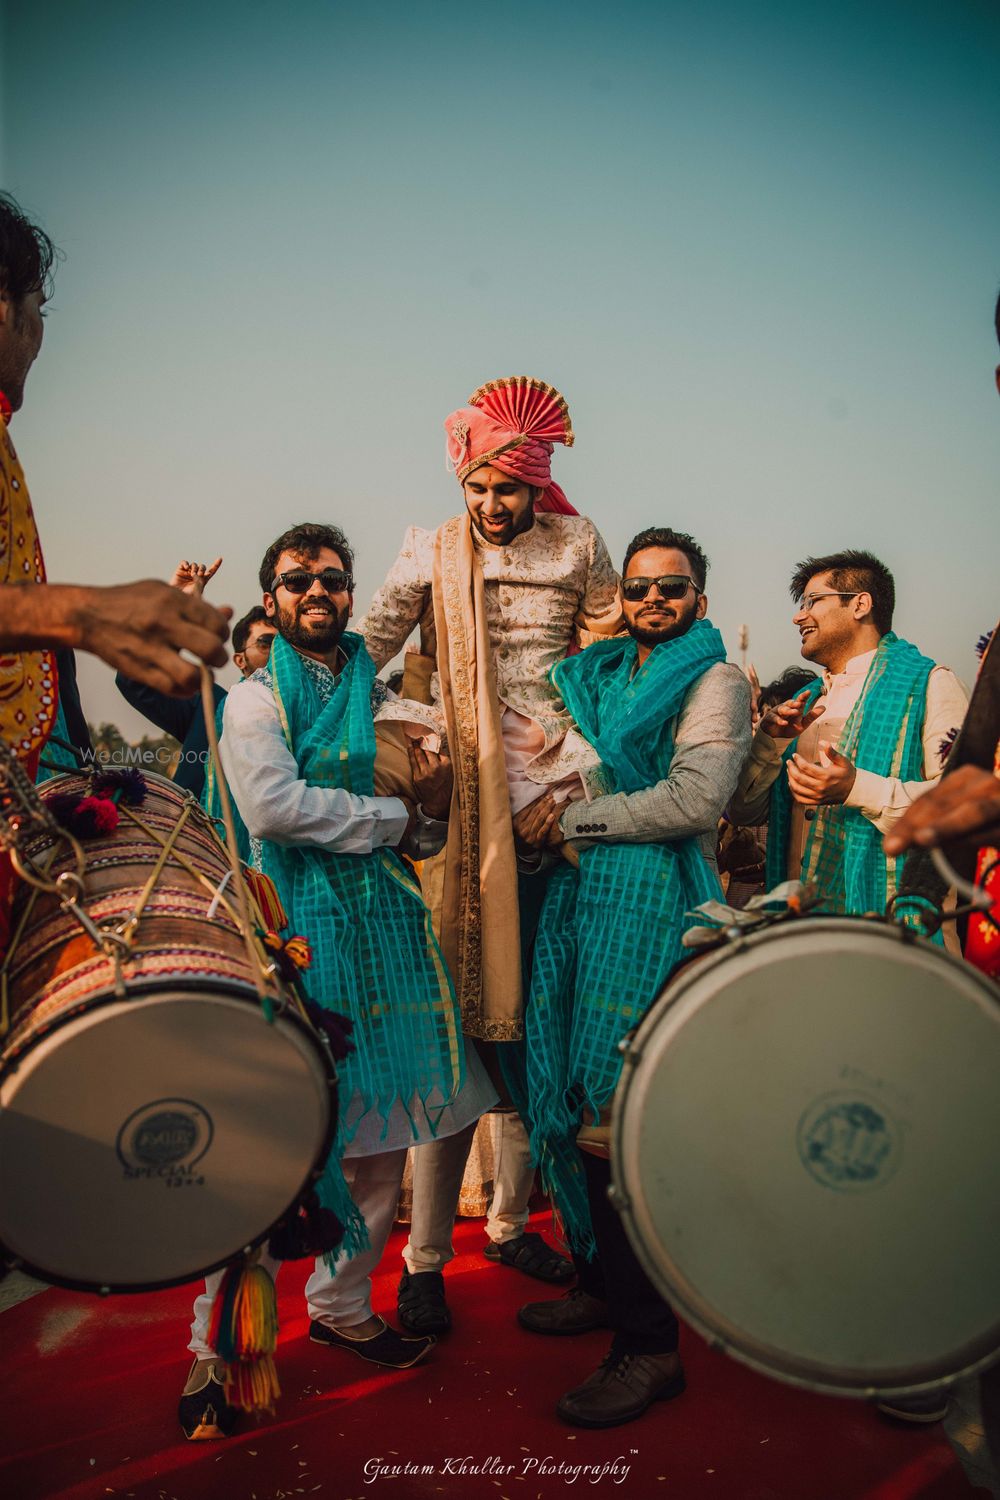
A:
(319, 635)
(668, 631)
(511, 530)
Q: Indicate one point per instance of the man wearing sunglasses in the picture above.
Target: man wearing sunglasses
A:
(667, 722)
(834, 768)
(298, 750)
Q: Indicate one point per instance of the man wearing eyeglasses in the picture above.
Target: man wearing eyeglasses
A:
(834, 768)
(299, 753)
(667, 724)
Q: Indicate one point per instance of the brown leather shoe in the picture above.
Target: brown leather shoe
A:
(621, 1389)
(574, 1312)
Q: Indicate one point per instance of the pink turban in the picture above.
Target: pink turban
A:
(513, 424)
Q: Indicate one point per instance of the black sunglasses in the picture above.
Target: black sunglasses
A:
(300, 581)
(671, 586)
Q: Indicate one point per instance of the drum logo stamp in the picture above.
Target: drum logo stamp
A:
(165, 1139)
(848, 1143)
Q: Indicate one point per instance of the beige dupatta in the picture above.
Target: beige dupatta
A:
(480, 867)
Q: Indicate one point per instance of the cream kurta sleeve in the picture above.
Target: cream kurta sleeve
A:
(397, 607)
(600, 612)
(751, 801)
(884, 799)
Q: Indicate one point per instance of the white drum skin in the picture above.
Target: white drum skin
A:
(806, 1155)
(148, 1140)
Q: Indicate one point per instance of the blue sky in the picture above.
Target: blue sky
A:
(756, 246)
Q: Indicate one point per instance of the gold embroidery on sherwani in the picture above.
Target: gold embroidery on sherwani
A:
(28, 687)
(480, 868)
(501, 617)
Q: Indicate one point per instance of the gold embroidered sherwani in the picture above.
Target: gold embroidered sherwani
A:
(495, 619)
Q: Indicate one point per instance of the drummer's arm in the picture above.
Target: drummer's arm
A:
(173, 715)
(884, 799)
(397, 608)
(277, 805)
(710, 746)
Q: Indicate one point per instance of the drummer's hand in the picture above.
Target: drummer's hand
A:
(537, 825)
(191, 578)
(964, 808)
(829, 781)
(786, 721)
(140, 628)
(432, 779)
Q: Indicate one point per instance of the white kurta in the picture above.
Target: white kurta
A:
(276, 804)
(881, 799)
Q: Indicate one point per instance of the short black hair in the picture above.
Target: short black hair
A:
(27, 254)
(663, 536)
(996, 318)
(788, 684)
(854, 572)
(242, 628)
(307, 539)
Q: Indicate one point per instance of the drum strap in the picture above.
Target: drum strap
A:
(239, 886)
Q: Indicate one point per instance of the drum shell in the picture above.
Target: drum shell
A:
(710, 1079)
(99, 1066)
(89, 1201)
(54, 968)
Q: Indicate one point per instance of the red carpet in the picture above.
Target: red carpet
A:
(92, 1387)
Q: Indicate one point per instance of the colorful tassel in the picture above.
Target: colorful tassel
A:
(124, 784)
(84, 817)
(244, 1334)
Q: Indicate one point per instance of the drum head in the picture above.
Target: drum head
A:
(805, 1153)
(148, 1140)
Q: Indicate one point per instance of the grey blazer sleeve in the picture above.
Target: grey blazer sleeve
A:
(712, 740)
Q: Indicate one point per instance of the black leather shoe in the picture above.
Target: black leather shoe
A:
(621, 1389)
(420, 1303)
(529, 1253)
(386, 1347)
(576, 1311)
(204, 1413)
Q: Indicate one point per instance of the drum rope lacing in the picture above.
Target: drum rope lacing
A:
(246, 924)
(24, 817)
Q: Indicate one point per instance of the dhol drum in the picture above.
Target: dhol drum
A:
(153, 1123)
(806, 1155)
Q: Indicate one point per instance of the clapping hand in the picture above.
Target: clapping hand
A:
(786, 721)
(813, 785)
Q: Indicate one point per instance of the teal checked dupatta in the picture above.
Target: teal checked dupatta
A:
(843, 855)
(610, 933)
(375, 957)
